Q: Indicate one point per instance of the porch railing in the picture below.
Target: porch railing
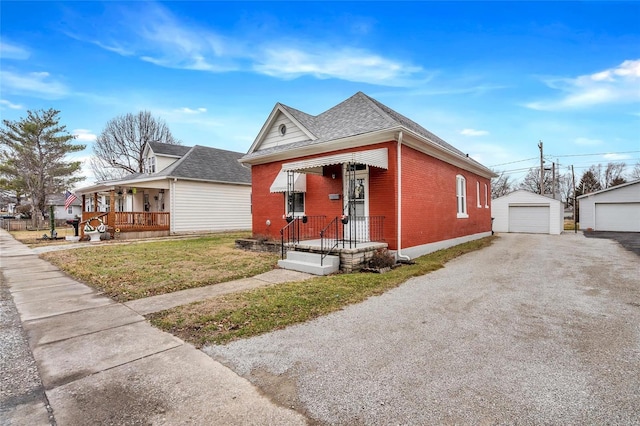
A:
(141, 221)
(330, 237)
(357, 229)
(300, 228)
(130, 221)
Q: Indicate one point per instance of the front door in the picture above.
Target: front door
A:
(356, 197)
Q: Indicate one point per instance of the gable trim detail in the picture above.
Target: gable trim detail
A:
(270, 120)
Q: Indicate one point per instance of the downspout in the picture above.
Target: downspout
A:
(399, 170)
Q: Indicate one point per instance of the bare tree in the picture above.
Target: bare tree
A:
(501, 185)
(118, 150)
(609, 174)
(613, 174)
(565, 188)
(531, 181)
(635, 173)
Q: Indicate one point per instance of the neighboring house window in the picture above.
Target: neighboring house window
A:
(486, 196)
(150, 165)
(478, 200)
(461, 196)
(70, 210)
(298, 203)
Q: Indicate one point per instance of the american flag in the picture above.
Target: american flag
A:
(69, 198)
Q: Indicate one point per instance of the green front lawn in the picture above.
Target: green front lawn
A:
(142, 269)
(226, 318)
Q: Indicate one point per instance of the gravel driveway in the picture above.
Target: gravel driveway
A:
(536, 329)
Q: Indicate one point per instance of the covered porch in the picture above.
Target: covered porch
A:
(126, 211)
(348, 235)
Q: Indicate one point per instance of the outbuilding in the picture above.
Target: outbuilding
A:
(526, 212)
(612, 209)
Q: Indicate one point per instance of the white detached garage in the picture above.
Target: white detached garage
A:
(526, 212)
(612, 209)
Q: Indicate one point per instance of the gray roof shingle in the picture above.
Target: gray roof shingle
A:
(169, 149)
(209, 164)
(358, 115)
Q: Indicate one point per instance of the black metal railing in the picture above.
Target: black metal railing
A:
(299, 229)
(349, 231)
(330, 238)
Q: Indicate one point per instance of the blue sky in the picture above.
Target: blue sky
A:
(491, 78)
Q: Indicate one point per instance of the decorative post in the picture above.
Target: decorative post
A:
(52, 223)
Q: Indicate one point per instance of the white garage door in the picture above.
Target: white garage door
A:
(623, 217)
(529, 219)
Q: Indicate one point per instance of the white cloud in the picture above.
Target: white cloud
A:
(34, 83)
(587, 141)
(473, 132)
(164, 40)
(84, 135)
(617, 157)
(13, 51)
(192, 111)
(327, 62)
(614, 85)
(10, 104)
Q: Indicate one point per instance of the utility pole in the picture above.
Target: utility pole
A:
(541, 169)
(553, 180)
(575, 207)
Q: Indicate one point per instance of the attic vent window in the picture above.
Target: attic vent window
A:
(282, 129)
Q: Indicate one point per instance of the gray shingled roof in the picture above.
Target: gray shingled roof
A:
(358, 115)
(197, 163)
(210, 164)
(169, 149)
(59, 199)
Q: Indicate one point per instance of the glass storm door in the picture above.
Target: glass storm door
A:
(356, 196)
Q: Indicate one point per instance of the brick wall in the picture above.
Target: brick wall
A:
(429, 207)
(429, 212)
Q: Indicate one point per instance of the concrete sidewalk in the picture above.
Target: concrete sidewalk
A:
(100, 362)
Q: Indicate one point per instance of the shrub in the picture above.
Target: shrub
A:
(382, 258)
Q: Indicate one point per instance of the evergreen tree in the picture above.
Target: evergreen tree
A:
(32, 157)
(588, 183)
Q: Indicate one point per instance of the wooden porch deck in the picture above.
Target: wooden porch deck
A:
(118, 222)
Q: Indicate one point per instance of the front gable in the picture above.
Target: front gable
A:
(157, 160)
(281, 128)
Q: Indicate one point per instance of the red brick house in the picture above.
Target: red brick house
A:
(393, 182)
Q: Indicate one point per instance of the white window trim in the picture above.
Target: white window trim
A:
(150, 165)
(295, 213)
(478, 200)
(461, 197)
(486, 196)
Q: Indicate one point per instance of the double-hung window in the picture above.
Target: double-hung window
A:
(150, 166)
(486, 196)
(295, 205)
(461, 196)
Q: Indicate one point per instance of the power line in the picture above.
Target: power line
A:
(513, 162)
(592, 155)
(551, 157)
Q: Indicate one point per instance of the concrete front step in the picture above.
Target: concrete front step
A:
(310, 263)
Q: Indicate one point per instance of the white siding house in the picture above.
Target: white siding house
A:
(226, 207)
(612, 209)
(59, 212)
(526, 212)
(193, 189)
